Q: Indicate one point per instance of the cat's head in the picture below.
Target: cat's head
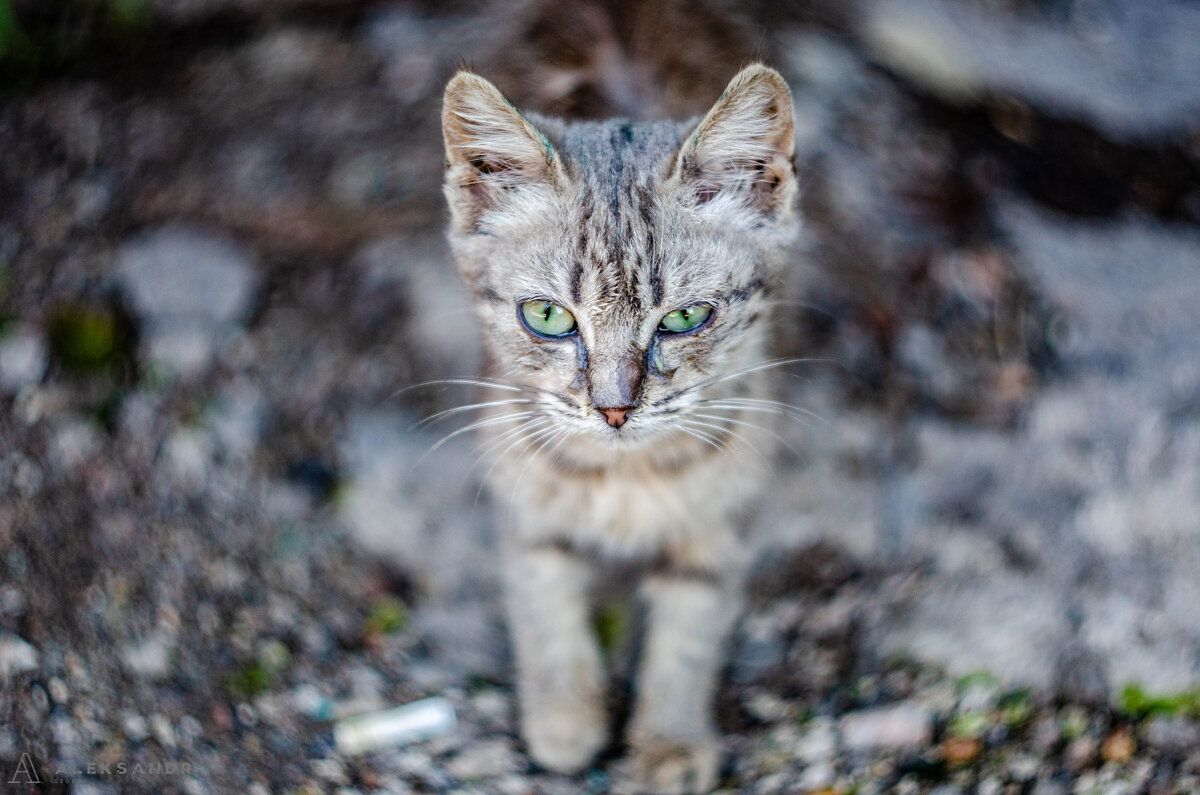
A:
(621, 270)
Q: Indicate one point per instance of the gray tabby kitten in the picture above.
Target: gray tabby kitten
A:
(621, 274)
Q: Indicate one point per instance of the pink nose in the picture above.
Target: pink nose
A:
(615, 417)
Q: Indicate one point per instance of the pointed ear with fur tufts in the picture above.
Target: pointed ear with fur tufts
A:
(744, 147)
(491, 150)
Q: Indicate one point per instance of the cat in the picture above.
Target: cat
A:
(622, 275)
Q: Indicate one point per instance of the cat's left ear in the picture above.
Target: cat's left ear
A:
(491, 150)
(744, 146)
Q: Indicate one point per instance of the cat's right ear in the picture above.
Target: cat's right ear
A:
(491, 150)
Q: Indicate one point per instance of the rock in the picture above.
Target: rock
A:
(237, 419)
(90, 786)
(1007, 624)
(75, 441)
(1080, 753)
(23, 361)
(484, 760)
(818, 744)
(1090, 66)
(1081, 675)
(134, 726)
(414, 505)
(1175, 735)
(164, 732)
(188, 287)
(903, 725)
(151, 658)
(818, 777)
(16, 656)
(331, 770)
(466, 637)
(186, 456)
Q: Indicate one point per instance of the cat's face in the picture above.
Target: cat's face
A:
(621, 270)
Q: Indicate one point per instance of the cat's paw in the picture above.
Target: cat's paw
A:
(565, 735)
(670, 766)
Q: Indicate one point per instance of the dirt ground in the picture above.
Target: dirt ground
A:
(223, 279)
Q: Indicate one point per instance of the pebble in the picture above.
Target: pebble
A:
(1079, 753)
(1118, 746)
(818, 743)
(483, 760)
(899, 726)
(186, 455)
(58, 690)
(163, 731)
(767, 707)
(331, 770)
(23, 361)
(134, 726)
(16, 656)
(1023, 768)
(187, 285)
(74, 442)
(818, 776)
(149, 659)
(1172, 734)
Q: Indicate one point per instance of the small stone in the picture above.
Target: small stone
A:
(1045, 734)
(492, 705)
(903, 725)
(1119, 746)
(958, 751)
(163, 731)
(16, 656)
(1174, 734)
(23, 361)
(90, 786)
(188, 286)
(186, 455)
(990, 786)
(485, 759)
(1079, 753)
(73, 444)
(58, 691)
(181, 272)
(134, 726)
(766, 707)
(247, 715)
(818, 777)
(818, 743)
(331, 770)
(190, 727)
(150, 659)
(1023, 768)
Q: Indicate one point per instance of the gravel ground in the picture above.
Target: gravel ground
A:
(222, 528)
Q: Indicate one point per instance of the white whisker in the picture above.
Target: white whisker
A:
(763, 406)
(748, 424)
(707, 438)
(523, 433)
(518, 415)
(469, 407)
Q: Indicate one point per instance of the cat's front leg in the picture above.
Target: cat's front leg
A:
(560, 674)
(674, 746)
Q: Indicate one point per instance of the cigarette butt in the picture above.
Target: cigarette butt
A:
(411, 723)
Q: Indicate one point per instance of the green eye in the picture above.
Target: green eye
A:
(547, 319)
(685, 319)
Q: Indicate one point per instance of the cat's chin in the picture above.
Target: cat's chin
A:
(606, 447)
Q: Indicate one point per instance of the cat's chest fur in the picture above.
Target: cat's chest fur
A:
(687, 498)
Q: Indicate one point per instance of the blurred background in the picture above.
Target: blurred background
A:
(222, 273)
